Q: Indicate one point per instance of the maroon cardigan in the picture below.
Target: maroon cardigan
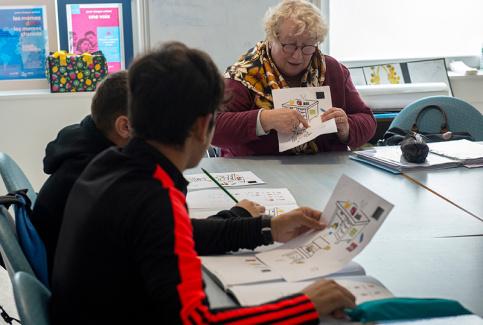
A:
(235, 132)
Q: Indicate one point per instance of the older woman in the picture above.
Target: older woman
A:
(289, 57)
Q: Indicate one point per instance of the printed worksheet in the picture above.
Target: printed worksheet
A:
(269, 210)
(311, 102)
(353, 215)
(364, 288)
(244, 268)
(198, 181)
(216, 199)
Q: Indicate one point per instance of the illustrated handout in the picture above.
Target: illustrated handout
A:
(216, 199)
(198, 181)
(353, 215)
(272, 210)
(364, 288)
(311, 102)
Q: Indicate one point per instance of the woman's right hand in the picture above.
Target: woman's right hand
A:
(329, 298)
(283, 120)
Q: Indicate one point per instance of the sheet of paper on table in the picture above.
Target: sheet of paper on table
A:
(200, 181)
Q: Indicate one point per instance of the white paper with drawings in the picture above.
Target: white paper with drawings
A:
(244, 268)
(198, 181)
(216, 199)
(363, 287)
(311, 102)
(274, 210)
(353, 215)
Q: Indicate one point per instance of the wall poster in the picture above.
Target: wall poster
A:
(97, 27)
(23, 42)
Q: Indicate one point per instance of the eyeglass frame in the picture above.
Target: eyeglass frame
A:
(297, 47)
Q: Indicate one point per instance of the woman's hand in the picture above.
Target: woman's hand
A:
(283, 120)
(341, 122)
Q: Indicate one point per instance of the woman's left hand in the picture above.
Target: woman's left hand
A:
(341, 122)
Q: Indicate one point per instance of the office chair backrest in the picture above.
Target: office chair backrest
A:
(211, 151)
(10, 249)
(32, 299)
(14, 178)
(462, 117)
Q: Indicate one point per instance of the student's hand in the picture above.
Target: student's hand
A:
(291, 224)
(282, 120)
(341, 122)
(255, 209)
(329, 298)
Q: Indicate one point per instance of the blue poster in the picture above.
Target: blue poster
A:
(23, 42)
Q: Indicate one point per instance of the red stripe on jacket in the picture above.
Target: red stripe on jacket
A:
(190, 290)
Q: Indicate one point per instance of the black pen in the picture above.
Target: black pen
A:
(219, 185)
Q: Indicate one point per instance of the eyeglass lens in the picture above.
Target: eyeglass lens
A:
(291, 48)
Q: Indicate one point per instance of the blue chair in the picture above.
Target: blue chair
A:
(32, 299)
(14, 178)
(12, 254)
(462, 117)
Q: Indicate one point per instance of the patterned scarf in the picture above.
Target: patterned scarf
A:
(257, 71)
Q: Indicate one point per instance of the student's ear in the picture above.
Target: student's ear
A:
(122, 127)
(201, 128)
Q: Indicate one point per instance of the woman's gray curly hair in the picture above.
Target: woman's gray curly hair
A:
(304, 15)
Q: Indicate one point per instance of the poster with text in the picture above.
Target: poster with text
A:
(23, 42)
(97, 27)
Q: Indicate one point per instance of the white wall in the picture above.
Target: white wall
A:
(30, 120)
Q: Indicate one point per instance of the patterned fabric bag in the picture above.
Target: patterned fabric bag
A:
(67, 72)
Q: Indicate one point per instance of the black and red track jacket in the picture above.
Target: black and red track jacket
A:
(126, 253)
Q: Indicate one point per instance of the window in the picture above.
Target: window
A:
(410, 29)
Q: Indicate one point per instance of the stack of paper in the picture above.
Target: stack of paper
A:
(390, 158)
(468, 153)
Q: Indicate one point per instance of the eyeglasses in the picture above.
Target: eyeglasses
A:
(291, 48)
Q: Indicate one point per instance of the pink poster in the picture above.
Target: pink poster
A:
(96, 28)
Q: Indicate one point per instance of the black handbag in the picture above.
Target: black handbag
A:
(413, 147)
(394, 136)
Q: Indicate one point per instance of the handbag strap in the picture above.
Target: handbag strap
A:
(444, 126)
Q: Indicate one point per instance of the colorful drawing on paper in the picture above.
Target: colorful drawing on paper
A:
(353, 215)
(348, 221)
(308, 108)
(384, 74)
(198, 181)
(297, 256)
(310, 102)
